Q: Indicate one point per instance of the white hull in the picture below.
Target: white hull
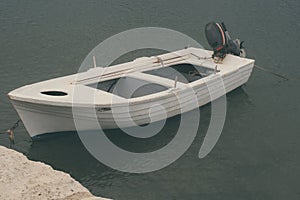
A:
(41, 117)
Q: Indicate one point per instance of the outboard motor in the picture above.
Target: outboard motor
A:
(221, 42)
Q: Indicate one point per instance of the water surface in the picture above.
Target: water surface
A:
(257, 156)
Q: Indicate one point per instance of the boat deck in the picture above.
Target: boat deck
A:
(153, 70)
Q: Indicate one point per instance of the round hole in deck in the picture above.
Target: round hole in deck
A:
(54, 93)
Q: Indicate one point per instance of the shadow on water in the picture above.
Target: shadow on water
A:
(64, 151)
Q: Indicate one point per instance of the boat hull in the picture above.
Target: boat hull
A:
(41, 118)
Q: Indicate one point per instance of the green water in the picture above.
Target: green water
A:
(257, 156)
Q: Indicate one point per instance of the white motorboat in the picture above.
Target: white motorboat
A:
(122, 95)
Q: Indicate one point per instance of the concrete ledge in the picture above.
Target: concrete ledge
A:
(24, 179)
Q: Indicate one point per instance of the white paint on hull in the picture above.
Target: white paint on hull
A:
(41, 114)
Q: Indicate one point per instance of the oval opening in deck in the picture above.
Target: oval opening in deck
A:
(54, 93)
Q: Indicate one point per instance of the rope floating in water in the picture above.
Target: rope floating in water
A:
(269, 71)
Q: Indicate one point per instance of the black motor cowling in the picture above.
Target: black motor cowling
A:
(221, 42)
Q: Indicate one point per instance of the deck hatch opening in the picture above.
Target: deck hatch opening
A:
(185, 72)
(54, 93)
(128, 87)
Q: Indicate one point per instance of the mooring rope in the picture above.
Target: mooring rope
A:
(271, 72)
(10, 132)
